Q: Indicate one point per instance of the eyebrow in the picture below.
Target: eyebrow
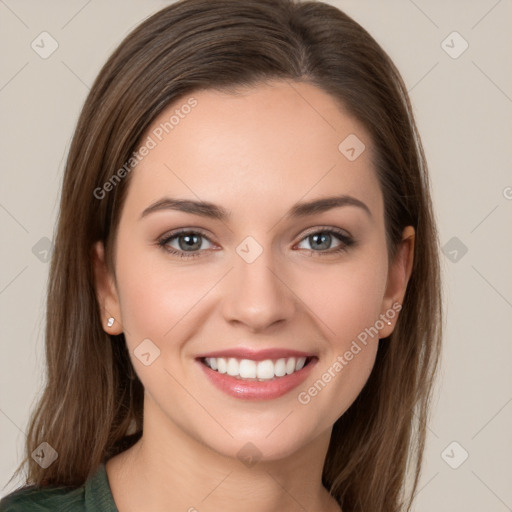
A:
(207, 209)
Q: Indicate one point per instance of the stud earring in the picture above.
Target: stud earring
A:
(110, 322)
(388, 322)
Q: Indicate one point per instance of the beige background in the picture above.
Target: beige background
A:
(464, 111)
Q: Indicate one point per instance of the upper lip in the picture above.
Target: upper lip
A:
(256, 355)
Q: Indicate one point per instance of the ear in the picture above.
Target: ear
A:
(398, 276)
(106, 292)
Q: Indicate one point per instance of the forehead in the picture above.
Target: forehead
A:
(273, 143)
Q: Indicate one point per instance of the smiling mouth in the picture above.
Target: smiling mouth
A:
(250, 370)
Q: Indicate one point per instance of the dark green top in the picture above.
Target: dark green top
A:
(94, 496)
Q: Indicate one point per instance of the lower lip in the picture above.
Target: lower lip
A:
(257, 390)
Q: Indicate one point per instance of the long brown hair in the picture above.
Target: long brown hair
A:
(92, 405)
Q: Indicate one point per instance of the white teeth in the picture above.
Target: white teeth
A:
(221, 365)
(212, 362)
(265, 369)
(280, 367)
(261, 370)
(247, 369)
(232, 367)
(301, 361)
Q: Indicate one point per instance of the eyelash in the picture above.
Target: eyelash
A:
(346, 240)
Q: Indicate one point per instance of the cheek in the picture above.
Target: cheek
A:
(345, 297)
(155, 293)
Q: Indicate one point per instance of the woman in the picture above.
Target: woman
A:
(244, 300)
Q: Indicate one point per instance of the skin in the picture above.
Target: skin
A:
(256, 153)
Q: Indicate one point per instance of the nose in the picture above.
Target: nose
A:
(257, 294)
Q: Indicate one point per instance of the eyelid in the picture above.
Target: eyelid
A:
(317, 229)
(182, 231)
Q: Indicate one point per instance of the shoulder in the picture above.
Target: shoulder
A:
(43, 500)
(95, 495)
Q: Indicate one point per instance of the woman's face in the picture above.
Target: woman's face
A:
(256, 277)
